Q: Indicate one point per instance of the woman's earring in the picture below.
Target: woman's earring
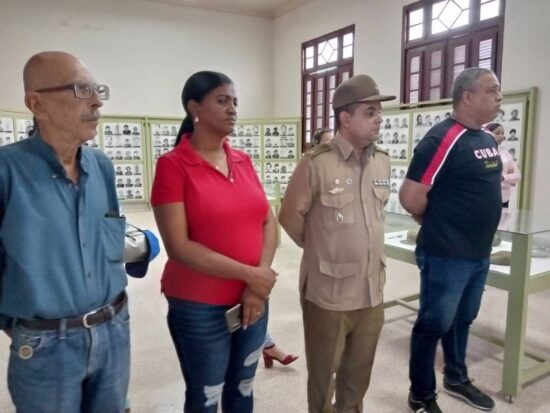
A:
(196, 119)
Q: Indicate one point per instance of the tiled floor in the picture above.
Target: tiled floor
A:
(157, 386)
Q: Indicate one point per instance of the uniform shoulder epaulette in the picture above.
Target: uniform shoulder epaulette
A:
(384, 151)
(319, 149)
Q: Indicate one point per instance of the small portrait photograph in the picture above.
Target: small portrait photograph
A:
(137, 183)
(108, 141)
(137, 194)
(126, 130)
(419, 120)
(396, 123)
(6, 125)
(283, 130)
(239, 130)
(268, 167)
(136, 142)
(500, 116)
(107, 130)
(514, 115)
(512, 135)
(290, 131)
(129, 194)
(404, 123)
(92, 143)
(120, 194)
(257, 168)
(110, 154)
(136, 131)
(118, 170)
(255, 130)
(173, 130)
(387, 123)
(156, 153)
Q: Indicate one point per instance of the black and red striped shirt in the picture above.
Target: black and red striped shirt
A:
(463, 166)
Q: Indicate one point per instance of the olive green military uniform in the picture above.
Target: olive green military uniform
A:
(334, 209)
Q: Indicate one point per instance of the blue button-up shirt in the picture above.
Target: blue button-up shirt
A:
(61, 245)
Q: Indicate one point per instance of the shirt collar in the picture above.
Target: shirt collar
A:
(47, 152)
(346, 148)
(190, 155)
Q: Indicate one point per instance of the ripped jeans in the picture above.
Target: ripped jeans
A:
(215, 363)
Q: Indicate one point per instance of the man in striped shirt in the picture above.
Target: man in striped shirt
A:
(453, 189)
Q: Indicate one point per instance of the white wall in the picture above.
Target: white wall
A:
(143, 51)
(378, 25)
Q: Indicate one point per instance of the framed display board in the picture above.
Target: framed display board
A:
(403, 127)
(14, 127)
(123, 141)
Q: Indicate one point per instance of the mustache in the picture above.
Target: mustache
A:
(94, 116)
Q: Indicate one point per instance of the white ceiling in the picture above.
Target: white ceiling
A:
(258, 8)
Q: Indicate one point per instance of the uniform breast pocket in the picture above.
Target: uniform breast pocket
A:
(381, 196)
(112, 232)
(337, 210)
(339, 281)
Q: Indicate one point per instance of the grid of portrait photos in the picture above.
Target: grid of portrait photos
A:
(129, 180)
(7, 134)
(275, 171)
(122, 141)
(394, 136)
(164, 138)
(425, 120)
(397, 176)
(247, 139)
(511, 116)
(279, 142)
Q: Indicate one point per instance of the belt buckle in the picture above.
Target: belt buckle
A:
(85, 319)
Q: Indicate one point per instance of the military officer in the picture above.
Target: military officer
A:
(334, 209)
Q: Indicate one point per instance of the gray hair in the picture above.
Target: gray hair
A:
(465, 82)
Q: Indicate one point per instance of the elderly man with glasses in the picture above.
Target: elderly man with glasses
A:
(62, 280)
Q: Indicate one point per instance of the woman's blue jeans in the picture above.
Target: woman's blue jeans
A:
(215, 363)
(450, 297)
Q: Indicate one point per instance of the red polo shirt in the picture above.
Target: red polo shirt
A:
(225, 214)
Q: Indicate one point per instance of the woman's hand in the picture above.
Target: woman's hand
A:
(261, 280)
(253, 307)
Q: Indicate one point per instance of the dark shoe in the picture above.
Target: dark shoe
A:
(470, 394)
(425, 406)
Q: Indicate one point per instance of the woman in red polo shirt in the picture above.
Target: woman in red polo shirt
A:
(220, 237)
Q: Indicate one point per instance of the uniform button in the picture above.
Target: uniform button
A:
(89, 275)
(54, 176)
(85, 244)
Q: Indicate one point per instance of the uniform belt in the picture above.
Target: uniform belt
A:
(90, 319)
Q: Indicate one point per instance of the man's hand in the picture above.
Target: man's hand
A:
(253, 307)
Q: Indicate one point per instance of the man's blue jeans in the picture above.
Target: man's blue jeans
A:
(215, 363)
(71, 370)
(450, 297)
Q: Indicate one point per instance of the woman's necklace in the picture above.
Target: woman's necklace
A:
(218, 160)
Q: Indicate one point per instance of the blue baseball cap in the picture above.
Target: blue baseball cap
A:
(139, 269)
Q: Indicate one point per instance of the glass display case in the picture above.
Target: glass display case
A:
(522, 245)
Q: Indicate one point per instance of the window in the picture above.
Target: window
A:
(326, 62)
(443, 37)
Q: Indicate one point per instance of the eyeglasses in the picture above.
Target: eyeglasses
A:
(81, 90)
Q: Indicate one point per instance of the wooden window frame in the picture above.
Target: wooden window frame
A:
(340, 68)
(470, 34)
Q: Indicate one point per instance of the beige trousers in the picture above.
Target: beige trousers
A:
(340, 348)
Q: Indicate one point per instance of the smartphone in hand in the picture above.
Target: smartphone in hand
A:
(233, 318)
